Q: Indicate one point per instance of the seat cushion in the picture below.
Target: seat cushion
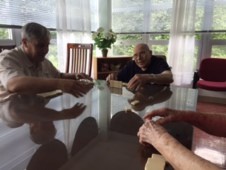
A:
(213, 69)
(212, 85)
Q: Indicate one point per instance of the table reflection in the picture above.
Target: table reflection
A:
(30, 109)
(152, 97)
(129, 107)
(32, 125)
(149, 95)
(102, 137)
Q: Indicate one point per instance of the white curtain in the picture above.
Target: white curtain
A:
(182, 41)
(73, 26)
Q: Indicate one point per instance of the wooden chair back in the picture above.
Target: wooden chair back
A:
(79, 58)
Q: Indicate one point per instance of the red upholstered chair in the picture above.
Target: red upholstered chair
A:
(212, 74)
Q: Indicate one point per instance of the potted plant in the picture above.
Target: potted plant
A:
(104, 39)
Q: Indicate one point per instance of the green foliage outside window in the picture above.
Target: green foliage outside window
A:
(123, 50)
(121, 47)
(219, 17)
(52, 54)
(159, 50)
(219, 36)
(160, 21)
(125, 18)
(124, 22)
(4, 33)
(159, 37)
(218, 51)
(129, 36)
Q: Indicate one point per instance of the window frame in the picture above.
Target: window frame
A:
(204, 45)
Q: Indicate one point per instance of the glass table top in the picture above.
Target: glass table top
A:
(46, 130)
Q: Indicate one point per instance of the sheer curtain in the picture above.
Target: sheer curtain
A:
(73, 25)
(182, 41)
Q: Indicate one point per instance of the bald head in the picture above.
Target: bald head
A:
(142, 46)
(142, 56)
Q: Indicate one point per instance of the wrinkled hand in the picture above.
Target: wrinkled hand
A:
(76, 87)
(167, 115)
(150, 133)
(73, 112)
(138, 81)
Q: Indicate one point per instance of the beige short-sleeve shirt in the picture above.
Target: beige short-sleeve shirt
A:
(15, 63)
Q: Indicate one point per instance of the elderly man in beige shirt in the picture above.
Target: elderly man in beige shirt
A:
(26, 70)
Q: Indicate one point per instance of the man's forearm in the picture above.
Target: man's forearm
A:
(165, 78)
(179, 156)
(33, 84)
(213, 124)
(68, 76)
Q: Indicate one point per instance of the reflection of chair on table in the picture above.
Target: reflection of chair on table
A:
(49, 156)
(87, 131)
(53, 155)
(126, 122)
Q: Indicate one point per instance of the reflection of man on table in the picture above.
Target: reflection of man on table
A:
(149, 94)
(174, 152)
(26, 70)
(145, 68)
(30, 109)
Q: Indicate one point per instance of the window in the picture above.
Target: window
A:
(52, 54)
(211, 24)
(149, 21)
(15, 14)
(5, 34)
(218, 51)
(143, 21)
(6, 37)
(18, 13)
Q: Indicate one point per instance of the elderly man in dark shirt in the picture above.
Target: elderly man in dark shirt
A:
(145, 68)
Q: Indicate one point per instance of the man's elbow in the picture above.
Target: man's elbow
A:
(169, 77)
(171, 80)
(13, 86)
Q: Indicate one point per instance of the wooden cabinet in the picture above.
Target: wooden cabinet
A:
(104, 66)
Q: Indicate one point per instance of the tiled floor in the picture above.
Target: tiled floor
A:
(207, 146)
